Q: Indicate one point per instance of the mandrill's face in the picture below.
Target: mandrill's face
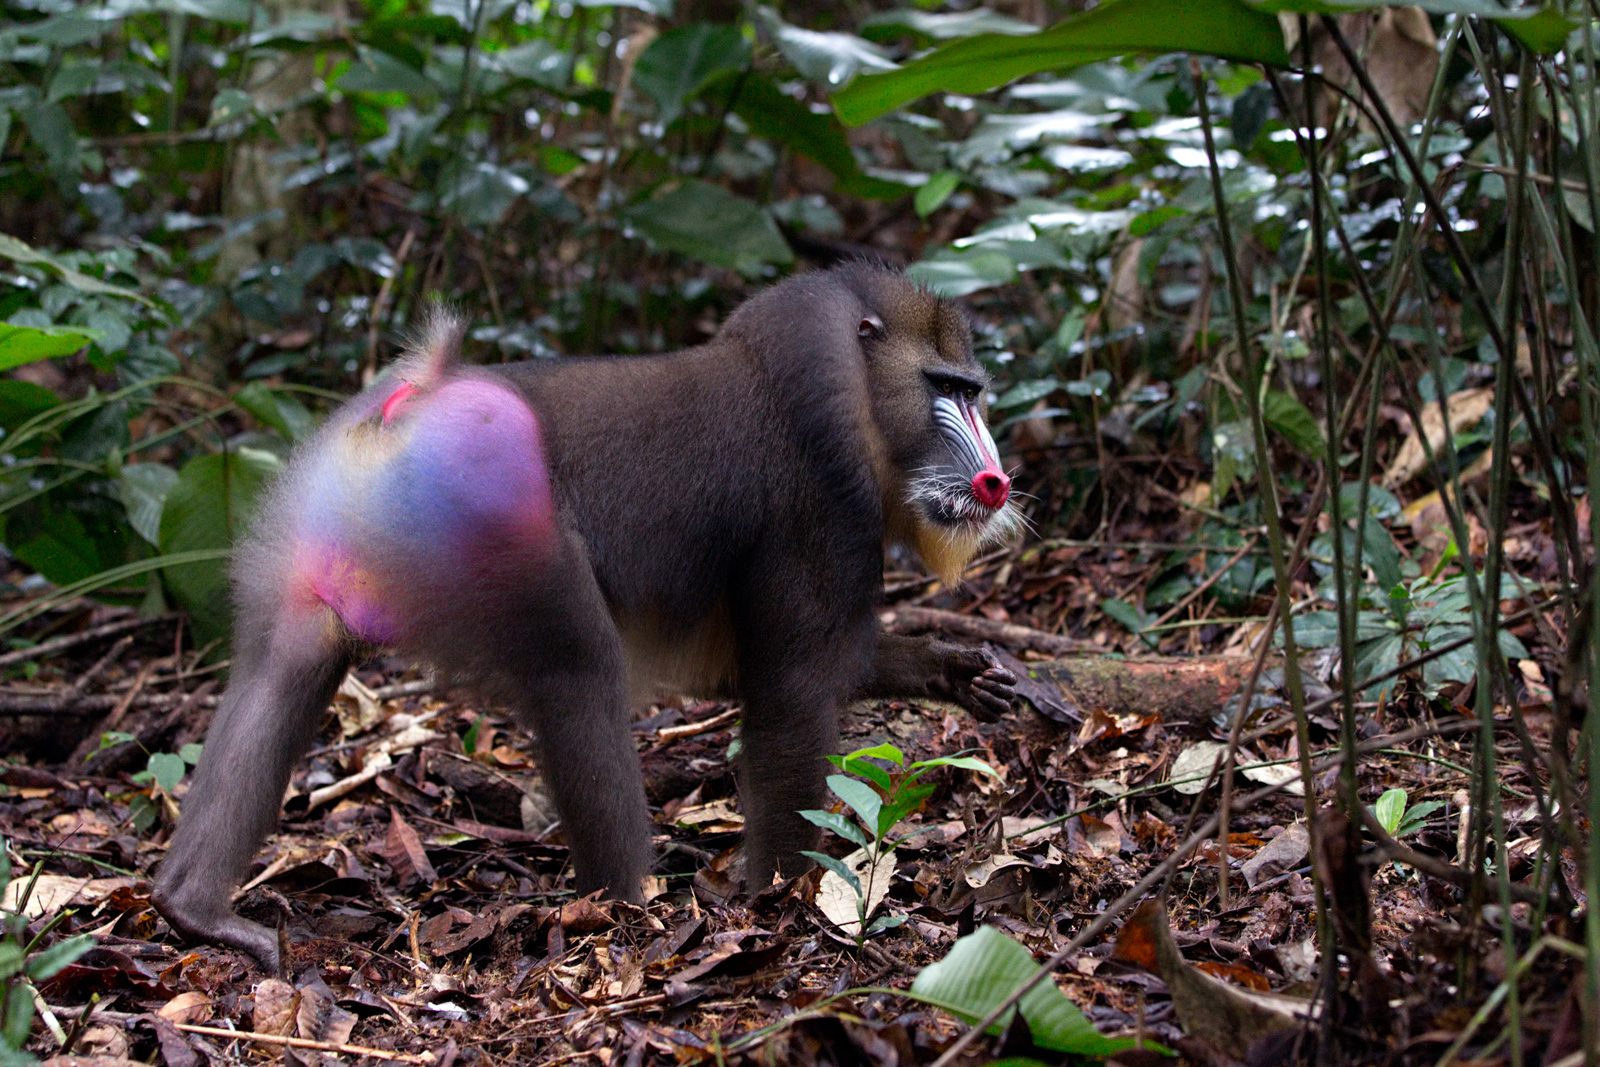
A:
(929, 390)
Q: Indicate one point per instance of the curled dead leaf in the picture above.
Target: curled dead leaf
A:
(1229, 1019)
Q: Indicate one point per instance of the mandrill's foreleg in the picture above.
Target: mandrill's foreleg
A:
(927, 666)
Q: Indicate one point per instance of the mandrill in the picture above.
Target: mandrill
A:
(561, 534)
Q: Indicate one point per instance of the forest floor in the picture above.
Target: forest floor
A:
(428, 908)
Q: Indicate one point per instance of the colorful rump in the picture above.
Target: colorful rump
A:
(427, 493)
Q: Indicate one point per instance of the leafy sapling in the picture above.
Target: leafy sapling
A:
(1397, 819)
(879, 803)
(162, 773)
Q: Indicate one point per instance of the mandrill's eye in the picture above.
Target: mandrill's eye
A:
(871, 326)
(946, 388)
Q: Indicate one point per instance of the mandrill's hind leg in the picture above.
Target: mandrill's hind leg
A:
(570, 684)
(281, 683)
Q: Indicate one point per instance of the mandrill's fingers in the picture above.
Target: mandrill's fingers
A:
(991, 697)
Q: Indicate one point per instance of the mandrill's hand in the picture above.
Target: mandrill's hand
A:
(974, 678)
(927, 666)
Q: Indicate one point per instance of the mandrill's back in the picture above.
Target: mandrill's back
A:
(715, 447)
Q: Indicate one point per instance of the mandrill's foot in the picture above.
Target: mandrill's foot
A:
(219, 925)
(975, 679)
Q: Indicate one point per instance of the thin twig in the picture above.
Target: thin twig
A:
(66, 641)
(283, 1041)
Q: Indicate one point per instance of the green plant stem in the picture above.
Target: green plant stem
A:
(1268, 489)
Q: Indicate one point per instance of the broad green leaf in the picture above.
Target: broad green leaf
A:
(784, 120)
(230, 104)
(870, 771)
(935, 191)
(957, 274)
(1390, 810)
(18, 1018)
(27, 344)
(882, 750)
(885, 922)
(1024, 393)
(208, 509)
(51, 129)
(1147, 222)
(144, 489)
(167, 769)
(1293, 422)
(676, 66)
(1231, 29)
(1251, 109)
(859, 796)
(1377, 657)
(832, 820)
(479, 193)
(902, 802)
(983, 969)
(885, 26)
(48, 962)
(708, 223)
(1125, 613)
(375, 71)
(21, 401)
(831, 58)
(965, 763)
(279, 410)
(11, 959)
(22, 252)
(538, 60)
(1380, 553)
(54, 542)
(836, 867)
(1416, 817)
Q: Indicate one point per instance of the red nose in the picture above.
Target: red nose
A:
(991, 488)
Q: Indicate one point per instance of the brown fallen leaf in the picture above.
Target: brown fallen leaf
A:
(403, 851)
(276, 1003)
(1278, 855)
(1229, 1019)
(1464, 410)
(192, 1006)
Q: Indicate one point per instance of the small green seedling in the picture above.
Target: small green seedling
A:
(1398, 820)
(23, 964)
(879, 802)
(163, 770)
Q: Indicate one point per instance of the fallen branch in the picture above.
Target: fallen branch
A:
(94, 633)
(919, 620)
(68, 703)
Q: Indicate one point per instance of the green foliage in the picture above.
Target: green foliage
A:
(983, 968)
(879, 797)
(28, 344)
(709, 223)
(208, 507)
(1414, 617)
(1229, 28)
(25, 962)
(1396, 818)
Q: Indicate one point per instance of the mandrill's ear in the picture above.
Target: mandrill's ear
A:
(870, 328)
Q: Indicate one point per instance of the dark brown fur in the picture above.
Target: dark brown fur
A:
(722, 518)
